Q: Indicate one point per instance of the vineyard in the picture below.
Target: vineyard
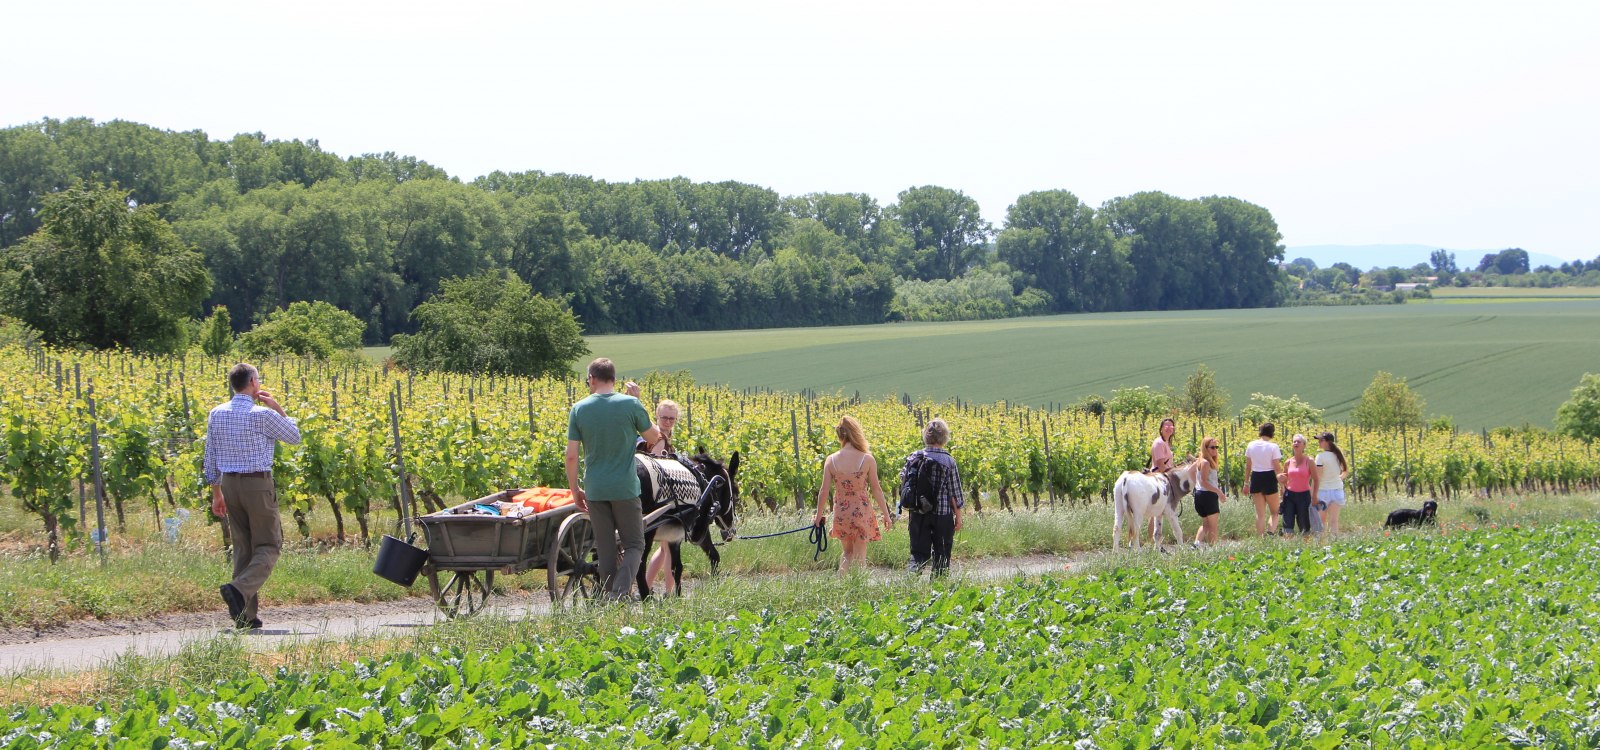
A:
(139, 422)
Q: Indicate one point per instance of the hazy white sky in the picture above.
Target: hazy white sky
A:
(1457, 124)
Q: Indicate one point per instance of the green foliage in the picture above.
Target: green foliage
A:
(284, 221)
(948, 233)
(980, 294)
(1579, 417)
(312, 329)
(216, 333)
(492, 324)
(100, 272)
(1038, 661)
(1181, 254)
(1388, 403)
(14, 332)
(1140, 401)
(1201, 396)
(1288, 411)
(1062, 247)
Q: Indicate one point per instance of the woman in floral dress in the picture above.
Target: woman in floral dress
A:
(848, 474)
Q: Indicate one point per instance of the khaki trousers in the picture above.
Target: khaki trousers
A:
(613, 519)
(257, 534)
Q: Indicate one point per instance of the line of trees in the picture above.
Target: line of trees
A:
(376, 235)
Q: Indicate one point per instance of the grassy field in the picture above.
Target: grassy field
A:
(1454, 294)
(1485, 363)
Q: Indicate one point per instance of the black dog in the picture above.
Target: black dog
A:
(1410, 517)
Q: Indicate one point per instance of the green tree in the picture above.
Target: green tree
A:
(492, 323)
(1245, 255)
(14, 332)
(1062, 248)
(1169, 242)
(309, 329)
(1140, 401)
(948, 233)
(1443, 263)
(1289, 411)
(216, 333)
(1580, 415)
(1388, 403)
(102, 273)
(1201, 396)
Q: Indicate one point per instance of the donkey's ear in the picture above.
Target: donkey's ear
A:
(733, 464)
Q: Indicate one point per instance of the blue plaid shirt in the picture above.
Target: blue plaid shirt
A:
(240, 437)
(946, 481)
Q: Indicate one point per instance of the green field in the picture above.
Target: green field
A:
(1454, 294)
(1484, 363)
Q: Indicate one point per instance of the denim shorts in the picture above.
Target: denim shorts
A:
(1331, 497)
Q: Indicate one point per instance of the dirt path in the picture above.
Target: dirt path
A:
(92, 644)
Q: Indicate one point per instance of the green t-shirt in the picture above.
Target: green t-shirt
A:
(608, 425)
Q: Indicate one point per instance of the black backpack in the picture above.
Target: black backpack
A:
(916, 484)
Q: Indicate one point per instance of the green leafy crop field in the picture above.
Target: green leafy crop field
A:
(1485, 363)
(1450, 638)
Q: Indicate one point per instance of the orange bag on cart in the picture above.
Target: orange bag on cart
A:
(541, 499)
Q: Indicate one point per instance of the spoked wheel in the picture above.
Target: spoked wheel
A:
(465, 592)
(574, 565)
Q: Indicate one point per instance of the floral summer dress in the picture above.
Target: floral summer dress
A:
(852, 507)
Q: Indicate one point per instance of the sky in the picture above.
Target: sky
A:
(1455, 124)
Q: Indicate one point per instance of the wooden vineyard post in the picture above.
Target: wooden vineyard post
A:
(407, 509)
(99, 481)
(1049, 486)
(1405, 457)
(794, 433)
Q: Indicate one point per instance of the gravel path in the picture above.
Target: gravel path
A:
(91, 644)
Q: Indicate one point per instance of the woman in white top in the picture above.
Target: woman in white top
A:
(1332, 470)
(1265, 460)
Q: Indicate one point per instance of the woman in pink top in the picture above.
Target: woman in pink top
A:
(1300, 481)
(849, 474)
(1161, 449)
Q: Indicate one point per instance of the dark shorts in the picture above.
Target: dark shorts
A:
(1263, 483)
(1206, 503)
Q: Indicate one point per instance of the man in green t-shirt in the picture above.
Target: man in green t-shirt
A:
(607, 424)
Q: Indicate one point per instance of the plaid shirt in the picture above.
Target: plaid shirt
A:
(946, 481)
(241, 436)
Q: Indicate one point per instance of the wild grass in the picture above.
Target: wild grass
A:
(143, 578)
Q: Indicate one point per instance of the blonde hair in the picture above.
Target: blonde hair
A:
(667, 403)
(1208, 444)
(851, 434)
(936, 433)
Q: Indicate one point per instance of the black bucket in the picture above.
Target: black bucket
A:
(399, 561)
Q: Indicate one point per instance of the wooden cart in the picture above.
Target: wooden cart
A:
(465, 552)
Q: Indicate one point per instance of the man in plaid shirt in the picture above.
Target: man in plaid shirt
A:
(241, 436)
(932, 534)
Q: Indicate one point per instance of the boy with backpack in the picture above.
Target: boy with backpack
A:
(930, 490)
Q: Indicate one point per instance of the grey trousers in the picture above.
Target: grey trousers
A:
(613, 519)
(257, 534)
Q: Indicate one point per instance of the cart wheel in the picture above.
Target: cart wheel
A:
(574, 566)
(466, 593)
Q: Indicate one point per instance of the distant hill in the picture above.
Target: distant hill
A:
(1366, 257)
